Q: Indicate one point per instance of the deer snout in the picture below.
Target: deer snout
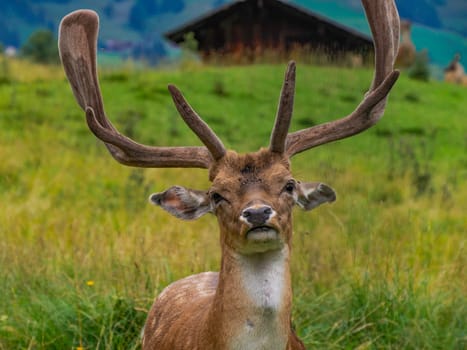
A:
(257, 215)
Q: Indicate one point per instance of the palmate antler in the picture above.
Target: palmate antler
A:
(77, 45)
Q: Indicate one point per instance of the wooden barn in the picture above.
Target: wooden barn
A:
(248, 29)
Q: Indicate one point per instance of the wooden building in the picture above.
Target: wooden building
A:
(248, 29)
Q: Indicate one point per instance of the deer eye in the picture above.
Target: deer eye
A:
(216, 198)
(290, 187)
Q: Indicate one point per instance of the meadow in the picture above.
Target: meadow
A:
(83, 253)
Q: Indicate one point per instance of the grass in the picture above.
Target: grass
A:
(82, 254)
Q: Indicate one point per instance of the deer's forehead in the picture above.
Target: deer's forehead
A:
(251, 169)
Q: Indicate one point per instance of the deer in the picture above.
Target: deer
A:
(248, 303)
(407, 52)
(454, 72)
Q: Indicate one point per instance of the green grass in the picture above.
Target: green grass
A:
(83, 254)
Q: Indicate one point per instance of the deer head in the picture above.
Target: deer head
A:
(252, 195)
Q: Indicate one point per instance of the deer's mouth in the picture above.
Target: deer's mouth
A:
(262, 234)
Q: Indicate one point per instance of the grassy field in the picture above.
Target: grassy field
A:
(83, 254)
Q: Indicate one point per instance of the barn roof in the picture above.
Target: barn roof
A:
(288, 9)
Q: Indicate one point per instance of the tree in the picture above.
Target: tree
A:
(41, 47)
(420, 69)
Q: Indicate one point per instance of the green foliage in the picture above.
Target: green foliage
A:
(189, 42)
(189, 48)
(41, 47)
(75, 314)
(373, 314)
(4, 70)
(83, 254)
(420, 69)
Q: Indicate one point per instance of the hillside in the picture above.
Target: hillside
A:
(435, 33)
(440, 25)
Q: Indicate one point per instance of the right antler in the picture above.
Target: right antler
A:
(77, 45)
(385, 25)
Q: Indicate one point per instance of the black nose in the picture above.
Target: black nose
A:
(257, 215)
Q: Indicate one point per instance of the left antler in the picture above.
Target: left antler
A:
(77, 45)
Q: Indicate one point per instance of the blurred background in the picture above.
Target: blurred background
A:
(152, 30)
(83, 254)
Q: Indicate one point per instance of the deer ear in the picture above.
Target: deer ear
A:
(313, 194)
(182, 202)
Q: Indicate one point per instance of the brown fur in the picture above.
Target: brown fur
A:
(207, 310)
(455, 72)
(406, 54)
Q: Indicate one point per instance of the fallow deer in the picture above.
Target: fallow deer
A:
(247, 305)
(455, 72)
(407, 51)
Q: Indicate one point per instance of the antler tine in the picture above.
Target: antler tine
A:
(129, 152)
(197, 125)
(77, 46)
(384, 22)
(284, 111)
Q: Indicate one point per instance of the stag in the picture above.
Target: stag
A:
(247, 305)
(455, 72)
(407, 51)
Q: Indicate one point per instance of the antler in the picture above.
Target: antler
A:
(77, 46)
(284, 111)
(385, 25)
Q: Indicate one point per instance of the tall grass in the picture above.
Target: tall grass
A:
(82, 254)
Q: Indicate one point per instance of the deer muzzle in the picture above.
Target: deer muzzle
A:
(257, 215)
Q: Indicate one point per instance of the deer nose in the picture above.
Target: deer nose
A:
(257, 215)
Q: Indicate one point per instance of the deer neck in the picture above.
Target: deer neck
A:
(253, 301)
